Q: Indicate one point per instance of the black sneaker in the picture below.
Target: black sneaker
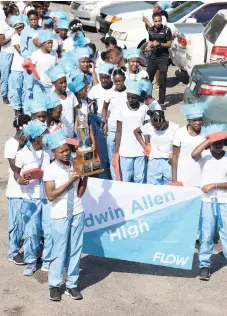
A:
(205, 274)
(5, 100)
(74, 293)
(18, 259)
(18, 112)
(55, 294)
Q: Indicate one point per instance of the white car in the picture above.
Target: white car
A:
(135, 34)
(212, 43)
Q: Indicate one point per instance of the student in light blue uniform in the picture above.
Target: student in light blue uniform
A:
(212, 159)
(134, 72)
(64, 190)
(14, 194)
(130, 114)
(33, 156)
(27, 48)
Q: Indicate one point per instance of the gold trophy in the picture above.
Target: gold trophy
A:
(86, 162)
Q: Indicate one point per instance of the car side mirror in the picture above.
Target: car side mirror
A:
(191, 20)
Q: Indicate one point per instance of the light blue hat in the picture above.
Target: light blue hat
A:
(55, 73)
(79, 39)
(34, 129)
(131, 53)
(105, 69)
(59, 14)
(77, 83)
(67, 62)
(36, 106)
(55, 139)
(133, 86)
(81, 52)
(147, 86)
(53, 100)
(164, 5)
(48, 21)
(213, 128)
(16, 19)
(193, 110)
(45, 35)
(63, 24)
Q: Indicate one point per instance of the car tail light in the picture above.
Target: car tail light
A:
(115, 19)
(173, 36)
(182, 42)
(216, 90)
(218, 53)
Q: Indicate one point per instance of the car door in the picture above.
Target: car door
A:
(207, 12)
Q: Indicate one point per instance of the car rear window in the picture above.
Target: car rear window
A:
(214, 28)
(183, 9)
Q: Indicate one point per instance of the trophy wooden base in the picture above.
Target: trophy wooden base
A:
(86, 164)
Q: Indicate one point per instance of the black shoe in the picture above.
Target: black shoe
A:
(5, 100)
(74, 293)
(18, 259)
(18, 112)
(55, 294)
(163, 107)
(205, 274)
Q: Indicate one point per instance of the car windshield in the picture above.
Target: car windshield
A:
(183, 9)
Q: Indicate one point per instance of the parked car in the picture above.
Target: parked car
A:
(212, 43)
(135, 34)
(208, 84)
(121, 11)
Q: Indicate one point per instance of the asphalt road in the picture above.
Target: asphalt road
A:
(110, 287)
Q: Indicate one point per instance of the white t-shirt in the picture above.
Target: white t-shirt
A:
(154, 105)
(115, 99)
(17, 58)
(13, 188)
(42, 63)
(98, 93)
(7, 31)
(25, 160)
(188, 170)
(141, 74)
(59, 175)
(130, 147)
(161, 141)
(213, 171)
(67, 117)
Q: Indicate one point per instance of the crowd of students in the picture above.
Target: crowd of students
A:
(70, 86)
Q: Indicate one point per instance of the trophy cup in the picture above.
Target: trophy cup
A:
(86, 162)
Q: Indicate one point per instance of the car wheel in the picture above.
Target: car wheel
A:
(143, 55)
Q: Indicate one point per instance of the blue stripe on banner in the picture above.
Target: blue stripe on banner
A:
(165, 237)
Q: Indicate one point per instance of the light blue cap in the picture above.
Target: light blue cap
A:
(59, 14)
(45, 35)
(131, 53)
(147, 86)
(81, 52)
(16, 19)
(79, 39)
(53, 100)
(164, 5)
(213, 128)
(55, 139)
(34, 129)
(48, 21)
(193, 110)
(105, 69)
(133, 86)
(55, 73)
(77, 83)
(39, 105)
(63, 24)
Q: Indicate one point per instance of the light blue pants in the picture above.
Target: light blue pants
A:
(16, 95)
(46, 222)
(5, 67)
(28, 90)
(39, 89)
(33, 210)
(96, 122)
(159, 171)
(15, 225)
(111, 147)
(133, 169)
(212, 215)
(67, 246)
